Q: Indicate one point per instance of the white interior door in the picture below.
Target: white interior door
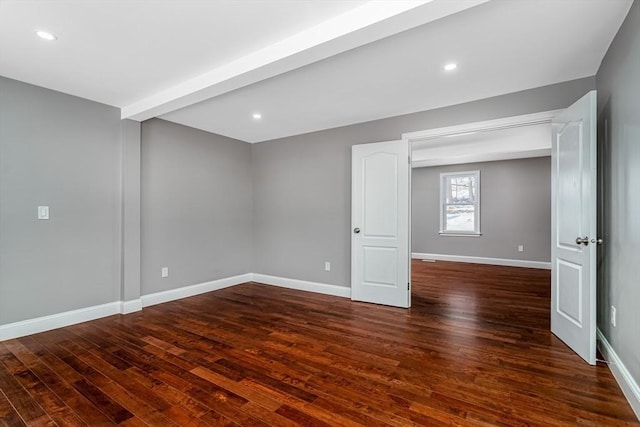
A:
(573, 227)
(380, 260)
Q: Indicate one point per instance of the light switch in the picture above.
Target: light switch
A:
(43, 212)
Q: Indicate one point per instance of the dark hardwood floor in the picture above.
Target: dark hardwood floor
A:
(475, 349)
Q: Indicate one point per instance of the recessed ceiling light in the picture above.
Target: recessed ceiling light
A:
(45, 35)
(257, 116)
(451, 66)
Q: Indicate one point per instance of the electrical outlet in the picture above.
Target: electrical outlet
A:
(520, 248)
(613, 316)
(327, 266)
(43, 212)
(165, 272)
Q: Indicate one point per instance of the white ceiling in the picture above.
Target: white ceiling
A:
(306, 65)
(118, 52)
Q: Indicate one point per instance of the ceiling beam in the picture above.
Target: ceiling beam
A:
(372, 21)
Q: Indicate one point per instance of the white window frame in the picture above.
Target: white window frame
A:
(443, 211)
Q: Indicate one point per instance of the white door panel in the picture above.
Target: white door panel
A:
(380, 265)
(573, 276)
(380, 258)
(380, 181)
(569, 286)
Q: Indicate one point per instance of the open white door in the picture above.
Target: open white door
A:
(380, 260)
(573, 227)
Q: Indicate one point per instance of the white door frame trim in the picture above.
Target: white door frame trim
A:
(486, 125)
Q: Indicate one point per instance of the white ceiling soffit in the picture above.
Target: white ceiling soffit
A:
(483, 146)
(366, 23)
(500, 47)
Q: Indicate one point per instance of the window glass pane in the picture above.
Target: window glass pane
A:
(461, 189)
(460, 202)
(460, 218)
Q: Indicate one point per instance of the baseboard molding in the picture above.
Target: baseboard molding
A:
(131, 306)
(188, 291)
(68, 318)
(626, 382)
(58, 320)
(302, 285)
(483, 260)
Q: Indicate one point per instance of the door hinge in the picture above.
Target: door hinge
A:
(409, 159)
(408, 286)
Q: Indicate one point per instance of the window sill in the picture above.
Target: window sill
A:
(448, 234)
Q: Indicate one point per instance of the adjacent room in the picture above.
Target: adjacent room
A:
(319, 213)
(483, 197)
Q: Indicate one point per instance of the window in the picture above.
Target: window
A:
(460, 203)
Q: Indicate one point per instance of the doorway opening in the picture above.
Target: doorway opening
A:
(572, 194)
(466, 241)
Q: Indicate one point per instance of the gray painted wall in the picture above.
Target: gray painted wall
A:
(302, 184)
(64, 152)
(204, 198)
(515, 209)
(79, 158)
(130, 210)
(619, 164)
(196, 210)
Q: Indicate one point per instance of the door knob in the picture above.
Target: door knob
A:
(582, 241)
(356, 230)
(596, 241)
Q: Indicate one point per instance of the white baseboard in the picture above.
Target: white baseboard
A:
(58, 320)
(303, 285)
(188, 291)
(626, 382)
(131, 306)
(68, 318)
(483, 260)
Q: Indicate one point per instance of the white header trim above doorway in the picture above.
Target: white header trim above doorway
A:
(487, 125)
(508, 138)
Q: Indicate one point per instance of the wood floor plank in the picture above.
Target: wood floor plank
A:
(85, 378)
(8, 415)
(473, 350)
(59, 378)
(28, 409)
(60, 413)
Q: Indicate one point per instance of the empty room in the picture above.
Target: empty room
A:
(319, 212)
